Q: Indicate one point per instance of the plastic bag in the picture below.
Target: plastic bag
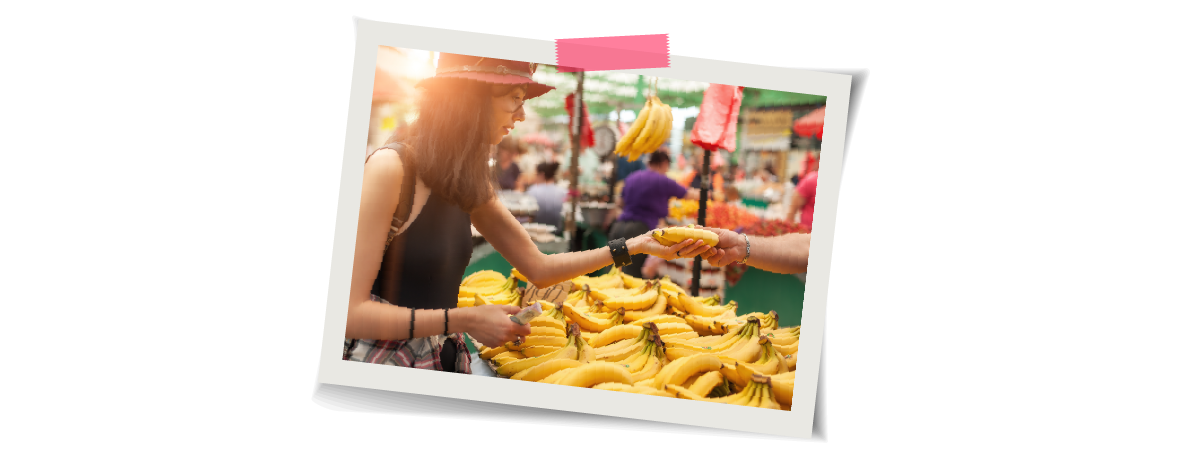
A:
(717, 124)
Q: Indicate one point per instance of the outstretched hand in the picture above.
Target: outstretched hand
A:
(688, 248)
(731, 248)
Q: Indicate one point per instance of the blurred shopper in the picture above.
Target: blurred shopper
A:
(693, 178)
(644, 202)
(420, 196)
(549, 196)
(508, 173)
(803, 198)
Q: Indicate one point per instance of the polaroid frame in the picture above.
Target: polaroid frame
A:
(794, 423)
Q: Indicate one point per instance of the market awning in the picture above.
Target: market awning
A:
(811, 125)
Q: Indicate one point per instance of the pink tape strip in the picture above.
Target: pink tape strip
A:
(613, 53)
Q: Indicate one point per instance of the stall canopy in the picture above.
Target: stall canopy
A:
(811, 125)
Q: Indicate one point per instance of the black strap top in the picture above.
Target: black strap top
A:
(424, 264)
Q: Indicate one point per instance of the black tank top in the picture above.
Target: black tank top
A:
(422, 267)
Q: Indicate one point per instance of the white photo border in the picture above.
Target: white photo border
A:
(796, 423)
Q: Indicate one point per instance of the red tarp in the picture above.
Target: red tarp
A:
(811, 125)
(717, 123)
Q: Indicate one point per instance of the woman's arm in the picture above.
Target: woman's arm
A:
(509, 238)
(368, 319)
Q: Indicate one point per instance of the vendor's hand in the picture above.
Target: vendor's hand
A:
(490, 324)
(645, 244)
(731, 247)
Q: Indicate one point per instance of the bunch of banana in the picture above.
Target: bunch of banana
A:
(691, 305)
(741, 344)
(647, 362)
(612, 279)
(709, 326)
(769, 362)
(670, 236)
(643, 299)
(758, 393)
(488, 287)
(786, 341)
(573, 349)
(769, 321)
(595, 373)
(678, 371)
(631, 282)
(651, 129)
(622, 349)
(591, 321)
(782, 385)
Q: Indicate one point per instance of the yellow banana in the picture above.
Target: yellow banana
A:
(705, 383)
(553, 378)
(637, 389)
(616, 334)
(670, 236)
(591, 323)
(677, 371)
(595, 373)
(543, 370)
(659, 319)
(569, 351)
(623, 148)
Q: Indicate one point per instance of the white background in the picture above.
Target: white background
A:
(1004, 274)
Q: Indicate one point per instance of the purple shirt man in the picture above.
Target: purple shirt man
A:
(645, 196)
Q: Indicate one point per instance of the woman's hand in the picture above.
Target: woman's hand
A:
(490, 324)
(731, 247)
(645, 244)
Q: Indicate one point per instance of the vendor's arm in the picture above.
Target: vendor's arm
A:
(510, 239)
(797, 203)
(369, 319)
(783, 254)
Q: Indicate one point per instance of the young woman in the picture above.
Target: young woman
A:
(411, 252)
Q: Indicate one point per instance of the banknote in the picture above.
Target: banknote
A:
(527, 314)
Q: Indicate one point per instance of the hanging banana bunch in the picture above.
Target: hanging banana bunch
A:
(651, 129)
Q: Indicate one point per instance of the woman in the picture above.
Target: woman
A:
(412, 252)
(549, 196)
(508, 173)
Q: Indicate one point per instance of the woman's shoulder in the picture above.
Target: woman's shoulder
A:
(384, 162)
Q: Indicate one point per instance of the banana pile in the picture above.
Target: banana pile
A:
(651, 129)
(616, 332)
(488, 287)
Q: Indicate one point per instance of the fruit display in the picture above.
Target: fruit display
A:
(652, 127)
(774, 227)
(682, 209)
(488, 287)
(619, 333)
(727, 216)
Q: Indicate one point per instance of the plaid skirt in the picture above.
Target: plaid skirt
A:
(419, 352)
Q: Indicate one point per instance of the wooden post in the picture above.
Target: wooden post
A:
(706, 184)
(575, 151)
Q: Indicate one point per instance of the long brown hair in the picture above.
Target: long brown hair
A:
(449, 147)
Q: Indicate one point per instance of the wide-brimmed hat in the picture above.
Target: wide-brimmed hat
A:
(490, 70)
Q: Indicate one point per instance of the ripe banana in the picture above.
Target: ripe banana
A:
(670, 236)
(677, 371)
(616, 334)
(641, 301)
(705, 383)
(692, 306)
(708, 326)
(591, 323)
(595, 373)
(659, 319)
(656, 309)
(624, 147)
(758, 393)
(623, 349)
(569, 351)
(543, 370)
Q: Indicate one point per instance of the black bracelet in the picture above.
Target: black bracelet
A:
(411, 325)
(619, 253)
(445, 321)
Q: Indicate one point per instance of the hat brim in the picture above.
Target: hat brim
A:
(533, 88)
